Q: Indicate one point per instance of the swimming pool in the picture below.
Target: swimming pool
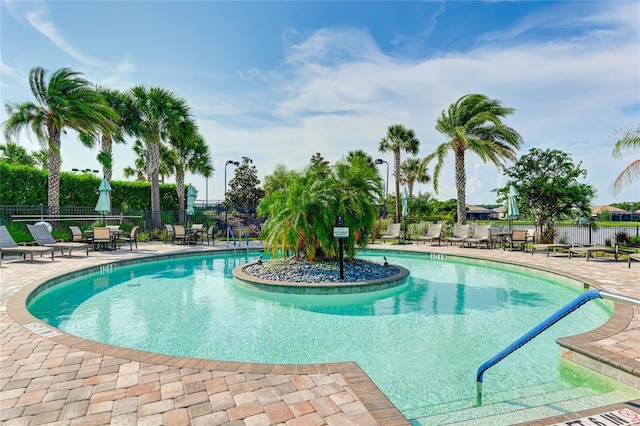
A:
(421, 343)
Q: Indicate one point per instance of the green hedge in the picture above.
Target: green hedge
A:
(25, 185)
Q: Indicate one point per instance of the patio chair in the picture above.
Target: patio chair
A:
(460, 233)
(43, 237)
(179, 234)
(195, 233)
(393, 232)
(209, 235)
(131, 237)
(433, 233)
(102, 238)
(480, 235)
(76, 235)
(170, 233)
(8, 245)
(518, 236)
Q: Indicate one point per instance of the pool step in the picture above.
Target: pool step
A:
(525, 409)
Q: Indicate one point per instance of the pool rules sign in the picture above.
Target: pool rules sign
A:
(624, 416)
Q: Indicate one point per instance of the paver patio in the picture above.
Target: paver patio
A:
(67, 380)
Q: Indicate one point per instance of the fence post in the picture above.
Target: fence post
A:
(146, 220)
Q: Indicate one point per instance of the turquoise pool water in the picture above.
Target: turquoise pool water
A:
(421, 343)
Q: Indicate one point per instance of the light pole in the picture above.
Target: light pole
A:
(386, 187)
(226, 209)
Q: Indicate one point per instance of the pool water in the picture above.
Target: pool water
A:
(420, 343)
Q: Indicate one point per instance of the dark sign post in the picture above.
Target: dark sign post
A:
(341, 232)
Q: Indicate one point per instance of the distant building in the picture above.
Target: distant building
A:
(615, 214)
(480, 213)
(501, 212)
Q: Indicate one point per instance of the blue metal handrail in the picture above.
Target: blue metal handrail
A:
(246, 237)
(231, 233)
(566, 310)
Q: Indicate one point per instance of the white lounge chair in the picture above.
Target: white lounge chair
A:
(433, 233)
(393, 232)
(460, 233)
(480, 235)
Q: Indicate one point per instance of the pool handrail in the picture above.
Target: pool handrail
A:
(231, 233)
(245, 234)
(563, 312)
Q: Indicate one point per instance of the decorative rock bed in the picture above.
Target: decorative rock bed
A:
(302, 277)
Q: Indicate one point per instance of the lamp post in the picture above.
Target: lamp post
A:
(226, 209)
(386, 186)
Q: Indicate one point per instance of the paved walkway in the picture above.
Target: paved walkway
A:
(65, 380)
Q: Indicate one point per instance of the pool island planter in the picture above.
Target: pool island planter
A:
(323, 288)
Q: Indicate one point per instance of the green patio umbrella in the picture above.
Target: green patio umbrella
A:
(405, 210)
(104, 202)
(191, 199)
(512, 205)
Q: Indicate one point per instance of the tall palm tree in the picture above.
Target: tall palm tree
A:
(188, 152)
(411, 172)
(66, 101)
(118, 102)
(398, 139)
(473, 123)
(626, 140)
(155, 114)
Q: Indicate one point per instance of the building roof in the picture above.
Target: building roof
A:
(478, 209)
(597, 209)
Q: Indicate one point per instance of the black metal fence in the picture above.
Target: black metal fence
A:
(213, 214)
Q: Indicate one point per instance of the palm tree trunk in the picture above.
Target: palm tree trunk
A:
(461, 184)
(154, 166)
(396, 174)
(180, 191)
(107, 148)
(54, 173)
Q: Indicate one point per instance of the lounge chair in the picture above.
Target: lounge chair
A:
(433, 233)
(633, 256)
(586, 251)
(393, 232)
(480, 235)
(460, 233)
(131, 238)
(43, 237)
(8, 245)
(519, 237)
(549, 247)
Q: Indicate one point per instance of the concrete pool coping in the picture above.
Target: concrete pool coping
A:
(110, 371)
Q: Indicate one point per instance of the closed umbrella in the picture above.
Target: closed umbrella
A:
(405, 210)
(104, 202)
(191, 199)
(512, 205)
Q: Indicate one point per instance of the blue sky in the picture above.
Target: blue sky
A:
(280, 81)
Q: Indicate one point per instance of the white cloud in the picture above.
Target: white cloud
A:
(38, 18)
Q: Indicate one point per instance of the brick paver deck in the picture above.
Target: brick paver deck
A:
(66, 380)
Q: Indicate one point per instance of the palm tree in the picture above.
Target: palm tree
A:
(473, 123)
(68, 100)
(411, 172)
(118, 102)
(398, 139)
(13, 153)
(302, 212)
(155, 113)
(188, 152)
(626, 140)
